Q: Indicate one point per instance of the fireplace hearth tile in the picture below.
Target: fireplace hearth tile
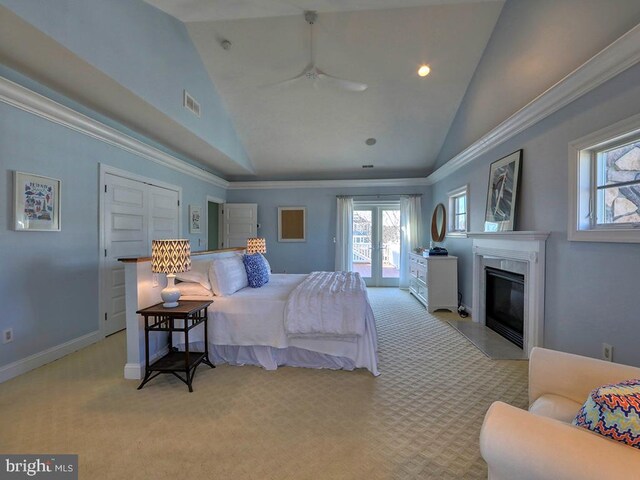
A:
(487, 341)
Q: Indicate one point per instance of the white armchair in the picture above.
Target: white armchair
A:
(541, 444)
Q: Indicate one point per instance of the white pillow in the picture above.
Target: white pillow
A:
(199, 273)
(193, 289)
(227, 275)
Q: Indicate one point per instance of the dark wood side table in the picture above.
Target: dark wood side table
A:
(160, 319)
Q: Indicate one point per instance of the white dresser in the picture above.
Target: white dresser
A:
(434, 281)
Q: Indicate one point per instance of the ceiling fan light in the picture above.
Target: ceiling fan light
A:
(424, 70)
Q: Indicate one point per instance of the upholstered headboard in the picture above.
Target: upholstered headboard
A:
(142, 289)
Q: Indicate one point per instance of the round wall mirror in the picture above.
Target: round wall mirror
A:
(438, 223)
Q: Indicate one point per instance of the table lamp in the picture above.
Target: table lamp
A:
(170, 257)
(256, 245)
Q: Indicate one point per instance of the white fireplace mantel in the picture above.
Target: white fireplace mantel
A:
(527, 247)
(517, 235)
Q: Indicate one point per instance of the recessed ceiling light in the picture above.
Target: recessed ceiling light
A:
(424, 70)
(370, 141)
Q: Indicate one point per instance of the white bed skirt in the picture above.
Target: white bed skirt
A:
(270, 358)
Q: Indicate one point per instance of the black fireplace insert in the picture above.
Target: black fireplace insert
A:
(505, 303)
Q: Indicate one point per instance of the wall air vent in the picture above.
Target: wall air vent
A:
(367, 166)
(190, 104)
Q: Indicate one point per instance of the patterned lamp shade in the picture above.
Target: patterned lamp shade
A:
(256, 245)
(170, 256)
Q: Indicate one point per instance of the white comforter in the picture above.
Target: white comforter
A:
(327, 304)
(253, 318)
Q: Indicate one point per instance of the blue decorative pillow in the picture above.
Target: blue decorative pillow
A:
(257, 272)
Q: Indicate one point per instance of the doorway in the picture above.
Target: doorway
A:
(376, 243)
(213, 223)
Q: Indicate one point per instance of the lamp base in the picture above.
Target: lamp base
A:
(170, 294)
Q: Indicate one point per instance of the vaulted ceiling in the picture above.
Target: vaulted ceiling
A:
(306, 130)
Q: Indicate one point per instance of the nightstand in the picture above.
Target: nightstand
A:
(190, 314)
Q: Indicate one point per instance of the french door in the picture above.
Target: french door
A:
(376, 243)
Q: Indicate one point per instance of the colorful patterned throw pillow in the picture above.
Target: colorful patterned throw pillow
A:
(613, 411)
(257, 272)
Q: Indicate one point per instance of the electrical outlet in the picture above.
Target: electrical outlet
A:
(607, 352)
(7, 335)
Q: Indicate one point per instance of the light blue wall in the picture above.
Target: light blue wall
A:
(143, 49)
(534, 45)
(49, 281)
(34, 86)
(318, 252)
(591, 288)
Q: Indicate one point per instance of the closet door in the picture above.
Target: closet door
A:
(134, 214)
(126, 234)
(163, 214)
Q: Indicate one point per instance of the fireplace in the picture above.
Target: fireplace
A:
(519, 252)
(505, 304)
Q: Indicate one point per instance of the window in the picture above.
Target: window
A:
(458, 219)
(605, 185)
(618, 184)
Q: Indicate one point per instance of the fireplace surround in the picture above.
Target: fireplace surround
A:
(521, 252)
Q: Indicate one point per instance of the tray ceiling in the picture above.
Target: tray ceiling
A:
(307, 131)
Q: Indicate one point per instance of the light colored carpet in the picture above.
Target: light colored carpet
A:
(491, 343)
(419, 419)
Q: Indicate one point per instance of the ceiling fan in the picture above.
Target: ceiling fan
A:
(312, 72)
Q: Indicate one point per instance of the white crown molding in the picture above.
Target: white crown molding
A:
(613, 60)
(20, 97)
(383, 182)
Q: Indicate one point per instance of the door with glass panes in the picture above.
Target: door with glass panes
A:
(376, 243)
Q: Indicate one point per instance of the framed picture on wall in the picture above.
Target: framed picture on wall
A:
(195, 219)
(36, 203)
(292, 224)
(502, 194)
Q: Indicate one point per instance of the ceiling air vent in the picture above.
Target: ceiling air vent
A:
(190, 104)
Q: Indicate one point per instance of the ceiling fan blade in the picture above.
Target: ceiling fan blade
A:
(290, 81)
(341, 83)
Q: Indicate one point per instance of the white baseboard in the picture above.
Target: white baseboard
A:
(135, 371)
(39, 359)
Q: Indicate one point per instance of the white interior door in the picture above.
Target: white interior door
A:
(239, 222)
(134, 214)
(164, 212)
(126, 234)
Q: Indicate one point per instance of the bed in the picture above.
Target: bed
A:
(249, 327)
